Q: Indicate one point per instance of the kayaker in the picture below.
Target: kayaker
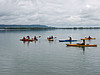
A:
(89, 37)
(51, 37)
(35, 38)
(70, 38)
(83, 42)
(28, 37)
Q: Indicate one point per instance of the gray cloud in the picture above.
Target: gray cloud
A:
(90, 15)
(50, 12)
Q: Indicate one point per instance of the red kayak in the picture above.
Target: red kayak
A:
(26, 40)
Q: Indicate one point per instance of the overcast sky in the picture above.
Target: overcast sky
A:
(50, 12)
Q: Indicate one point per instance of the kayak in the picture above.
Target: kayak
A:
(50, 40)
(79, 45)
(26, 40)
(88, 39)
(67, 40)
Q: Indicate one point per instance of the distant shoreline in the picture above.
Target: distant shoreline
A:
(74, 28)
(35, 27)
(80, 28)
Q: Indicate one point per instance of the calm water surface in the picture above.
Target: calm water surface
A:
(49, 58)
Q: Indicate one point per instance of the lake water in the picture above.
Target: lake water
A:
(49, 58)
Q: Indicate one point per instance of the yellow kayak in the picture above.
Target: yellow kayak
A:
(50, 40)
(79, 45)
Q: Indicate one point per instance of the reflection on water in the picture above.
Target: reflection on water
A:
(28, 42)
(45, 57)
(83, 50)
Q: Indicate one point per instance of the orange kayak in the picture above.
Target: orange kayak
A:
(88, 39)
(79, 45)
